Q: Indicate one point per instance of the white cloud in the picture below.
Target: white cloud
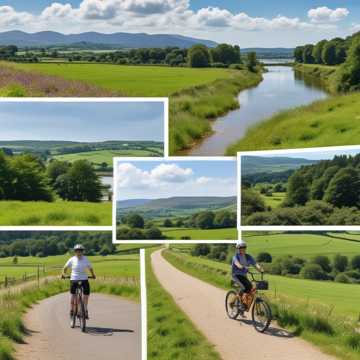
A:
(324, 14)
(168, 180)
(9, 17)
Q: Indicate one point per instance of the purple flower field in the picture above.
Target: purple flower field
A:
(17, 83)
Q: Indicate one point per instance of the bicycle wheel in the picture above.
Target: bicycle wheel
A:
(261, 315)
(82, 316)
(232, 304)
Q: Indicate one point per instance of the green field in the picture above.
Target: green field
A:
(111, 265)
(304, 245)
(171, 334)
(103, 156)
(131, 80)
(275, 200)
(198, 234)
(26, 213)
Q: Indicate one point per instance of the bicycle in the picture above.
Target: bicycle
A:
(80, 312)
(260, 309)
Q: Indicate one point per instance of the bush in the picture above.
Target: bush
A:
(200, 250)
(342, 278)
(134, 221)
(153, 233)
(198, 56)
(313, 272)
(264, 257)
(168, 223)
(355, 262)
(340, 262)
(251, 202)
(323, 261)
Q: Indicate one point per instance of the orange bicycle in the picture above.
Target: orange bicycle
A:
(235, 303)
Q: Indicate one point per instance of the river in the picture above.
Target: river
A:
(281, 89)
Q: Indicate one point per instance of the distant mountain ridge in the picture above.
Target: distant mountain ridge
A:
(179, 202)
(114, 40)
(259, 164)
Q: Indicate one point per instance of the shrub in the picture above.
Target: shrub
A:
(323, 261)
(340, 262)
(313, 272)
(153, 233)
(200, 250)
(342, 278)
(264, 257)
(355, 262)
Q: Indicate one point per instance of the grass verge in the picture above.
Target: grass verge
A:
(192, 109)
(334, 335)
(171, 335)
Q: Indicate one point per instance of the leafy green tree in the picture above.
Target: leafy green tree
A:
(348, 75)
(297, 190)
(251, 61)
(153, 233)
(29, 181)
(55, 169)
(264, 257)
(323, 261)
(200, 250)
(329, 53)
(342, 278)
(340, 262)
(307, 54)
(313, 272)
(198, 56)
(344, 188)
(226, 54)
(205, 220)
(168, 223)
(225, 219)
(79, 183)
(355, 262)
(135, 221)
(251, 202)
(298, 54)
(5, 177)
(317, 51)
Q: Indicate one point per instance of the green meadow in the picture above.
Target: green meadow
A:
(103, 156)
(130, 80)
(274, 200)
(199, 234)
(26, 213)
(304, 245)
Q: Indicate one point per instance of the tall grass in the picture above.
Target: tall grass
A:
(316, 324)
(171, 335)
(192, 109)
(21, 213)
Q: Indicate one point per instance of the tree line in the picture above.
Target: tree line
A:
(339, 268)
(27, 178)
(42, 244)
(325, 193)
(136, 227)
(222, 56)
(338, 51)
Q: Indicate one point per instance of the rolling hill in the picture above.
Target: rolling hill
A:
(257, 164)
(95, 39)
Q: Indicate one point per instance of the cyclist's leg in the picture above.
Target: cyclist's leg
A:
(73, 287)
(86, 287)
(246, 283)
(237, 280)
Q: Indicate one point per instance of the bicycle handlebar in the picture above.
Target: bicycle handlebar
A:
(253, 273)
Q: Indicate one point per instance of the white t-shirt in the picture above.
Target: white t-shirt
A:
(78, 267)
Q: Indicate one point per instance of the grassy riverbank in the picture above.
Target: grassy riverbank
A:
(193, 109)
(330, 122)
(171, 335)
(312, 321)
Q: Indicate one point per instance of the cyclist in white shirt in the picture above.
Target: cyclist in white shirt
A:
(79, 265)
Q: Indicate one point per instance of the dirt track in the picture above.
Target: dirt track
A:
(113, 331)
(234, 340)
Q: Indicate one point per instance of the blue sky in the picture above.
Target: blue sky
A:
(81, 121)
(168, 178)
(249, 23)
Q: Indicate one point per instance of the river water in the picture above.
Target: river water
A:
(282, 88)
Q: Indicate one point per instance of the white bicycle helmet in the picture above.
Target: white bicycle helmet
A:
(79, 247)
(241, 244)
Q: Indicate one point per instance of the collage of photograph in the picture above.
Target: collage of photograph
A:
(180, 180)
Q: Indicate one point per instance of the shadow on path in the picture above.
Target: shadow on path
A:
(99, 331)
(272, 330)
